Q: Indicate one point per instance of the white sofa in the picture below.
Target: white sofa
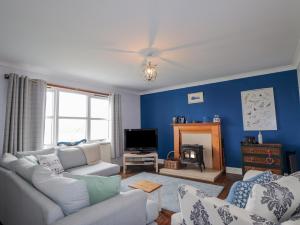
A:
(22, 203)
(196, 206)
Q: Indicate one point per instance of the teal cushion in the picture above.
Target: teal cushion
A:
(100, 188)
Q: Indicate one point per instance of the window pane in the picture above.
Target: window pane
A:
(50, 103)
(72, 104)
(99, 108)
(99, 129)
(71, 129)
(48, 135)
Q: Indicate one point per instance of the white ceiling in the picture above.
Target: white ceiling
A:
(194, 39)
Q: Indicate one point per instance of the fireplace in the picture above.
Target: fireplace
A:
(192, 154)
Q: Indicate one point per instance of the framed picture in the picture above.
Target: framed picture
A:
(259, 110)
(195, 98)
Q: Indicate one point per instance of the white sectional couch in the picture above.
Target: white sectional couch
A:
(21, 203)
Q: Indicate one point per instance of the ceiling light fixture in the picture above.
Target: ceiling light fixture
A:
(150, 71)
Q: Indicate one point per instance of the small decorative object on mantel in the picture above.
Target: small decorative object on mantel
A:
(171, 163)
(195, 98)
(179, 119)
(216, 119)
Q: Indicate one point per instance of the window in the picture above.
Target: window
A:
(72, 116)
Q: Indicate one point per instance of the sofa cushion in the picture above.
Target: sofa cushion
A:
(52, 162)
(32, 158)
(100, 188)
(91, 152)
(240, 190)
(276, 200)
(197, 208)
(101, 169)
(24, 168)
(71, 157)
(6, 160)
(70, 194)
(37, 152)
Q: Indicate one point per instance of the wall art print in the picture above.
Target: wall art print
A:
(259, 109)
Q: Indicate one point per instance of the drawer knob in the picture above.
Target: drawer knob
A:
(269, 160)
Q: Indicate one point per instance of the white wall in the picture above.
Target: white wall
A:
(130, 100)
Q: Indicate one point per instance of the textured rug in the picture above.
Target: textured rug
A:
(169, 188)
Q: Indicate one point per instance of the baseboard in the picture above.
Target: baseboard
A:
(234, 170)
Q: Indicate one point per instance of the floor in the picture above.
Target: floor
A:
(164, 218)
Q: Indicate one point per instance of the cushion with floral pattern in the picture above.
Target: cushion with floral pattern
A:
(199, 209)
(277, 200)
(240, 190)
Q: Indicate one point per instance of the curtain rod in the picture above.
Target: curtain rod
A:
(6, 76)
(76, 89)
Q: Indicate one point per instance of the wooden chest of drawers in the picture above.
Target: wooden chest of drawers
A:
(262, 157)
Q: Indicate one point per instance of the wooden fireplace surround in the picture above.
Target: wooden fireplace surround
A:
(212, 128)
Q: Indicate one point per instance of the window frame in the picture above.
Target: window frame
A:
(55, 130)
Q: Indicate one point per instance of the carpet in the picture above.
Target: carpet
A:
(169, 188)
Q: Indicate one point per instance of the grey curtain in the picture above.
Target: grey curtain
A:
(25, 114)
(116, 127)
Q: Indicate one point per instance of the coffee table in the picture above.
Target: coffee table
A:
(149, 187)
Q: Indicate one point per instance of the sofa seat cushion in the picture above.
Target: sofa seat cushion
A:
(100, 188)
(70, 194)
(101, 169)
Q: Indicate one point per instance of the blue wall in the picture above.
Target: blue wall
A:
(224, 99)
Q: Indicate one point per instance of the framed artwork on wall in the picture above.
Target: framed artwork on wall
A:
(259, 109)
(195, 98)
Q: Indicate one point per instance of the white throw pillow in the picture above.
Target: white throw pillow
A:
(276, 200)
(91, 152)
(70, 194)
(52, 162)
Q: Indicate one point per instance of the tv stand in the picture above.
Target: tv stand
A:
(140, 159)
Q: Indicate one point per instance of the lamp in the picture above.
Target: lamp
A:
(150, 71)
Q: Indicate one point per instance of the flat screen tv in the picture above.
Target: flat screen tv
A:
(142, 140)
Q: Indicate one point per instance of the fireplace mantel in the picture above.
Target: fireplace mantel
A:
(213, 128)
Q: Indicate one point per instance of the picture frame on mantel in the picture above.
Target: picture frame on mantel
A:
(196, 97)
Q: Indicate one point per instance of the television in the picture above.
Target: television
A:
(141, 140)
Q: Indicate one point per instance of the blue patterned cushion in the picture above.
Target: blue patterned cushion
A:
(264, 177)
(240, 190)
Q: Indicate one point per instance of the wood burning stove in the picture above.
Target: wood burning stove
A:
(192, 154)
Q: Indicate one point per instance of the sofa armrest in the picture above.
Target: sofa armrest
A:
(196, 207)
(251, 173)
(128, 208)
